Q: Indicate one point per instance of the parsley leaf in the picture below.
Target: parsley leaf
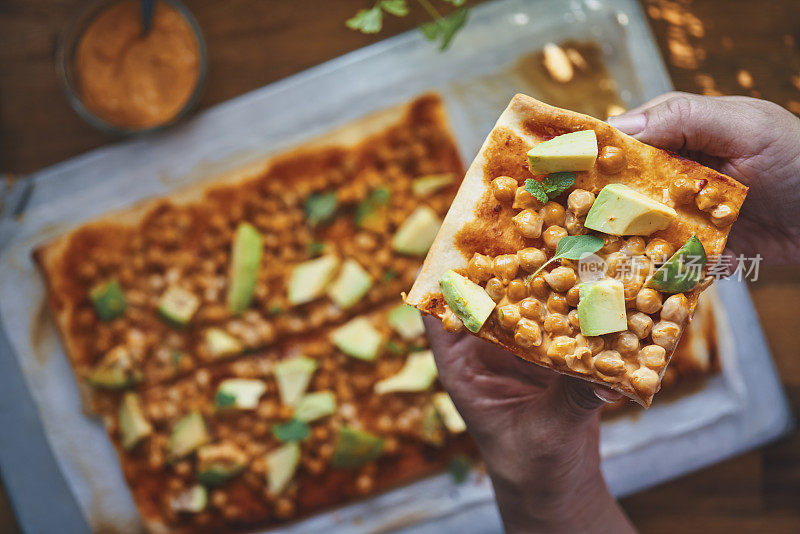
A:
(292, 430)
(367, 20)
(450, 26)
(573, 247)
(223, 400)
(459, 468)
(535, 188)
(558, 182)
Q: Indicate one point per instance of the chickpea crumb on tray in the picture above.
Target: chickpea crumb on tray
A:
(578, 248)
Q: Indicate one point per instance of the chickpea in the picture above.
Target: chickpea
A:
(527, 334)
(557, 324)
(640, 324)
(676, 308)
(648, 300)
(559, 348)
(683, 190)
(659, 250)
(528, 223)
(508, 316)
(552, 236)
(626, 343)
(539, 287)
(634, 246)
(653, 356)
(580, 202)
(479, 268)
(609, 362)
(645, 381)
(612, 244)
(364, 484)
(495, 289)
(580, 360)
(616, 262)
(561, 278)
(531, 309)
(574, 320)
(531, 259)
(451, 322)
(632, 286)
(505, 267)
(708, 198)
(611, 160)
(517, 290)
(284, 508)
(553, 214)
(574, 296)
(574, 224)
(595, 343)
(666, 334)
(557, 303)
(525, 201)
(504, 188)
(724, 214)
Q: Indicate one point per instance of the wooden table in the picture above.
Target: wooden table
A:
(250, 44)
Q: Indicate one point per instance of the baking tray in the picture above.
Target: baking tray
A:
(60, 469)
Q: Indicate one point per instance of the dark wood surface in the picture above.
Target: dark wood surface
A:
(706, 42)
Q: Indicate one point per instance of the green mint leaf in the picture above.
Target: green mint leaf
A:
(573, 247)
(430, 30)
(315, 248)
(536, 189)
(459, 468)
(320, 208)
(293, 430)
(397, 8)
(367, 20)
(450, 25)
(556, 183)
(224, 400)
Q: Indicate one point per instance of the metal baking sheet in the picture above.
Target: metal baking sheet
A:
(60, 469)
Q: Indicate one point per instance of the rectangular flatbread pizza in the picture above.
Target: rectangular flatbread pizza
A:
(577, 247)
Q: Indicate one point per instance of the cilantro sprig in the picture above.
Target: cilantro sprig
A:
(442, 28)
(553, 185)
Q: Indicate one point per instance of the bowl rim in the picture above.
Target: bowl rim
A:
(65, 49)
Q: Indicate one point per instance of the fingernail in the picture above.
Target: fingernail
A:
(607, 395)
(629, 123)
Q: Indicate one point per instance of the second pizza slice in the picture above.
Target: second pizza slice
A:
(577, 247)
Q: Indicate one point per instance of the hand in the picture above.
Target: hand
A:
(538, 434)
(753, 141)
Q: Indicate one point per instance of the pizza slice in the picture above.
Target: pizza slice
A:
(577, 247)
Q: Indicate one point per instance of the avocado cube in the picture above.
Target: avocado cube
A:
(355, 448)
(116, 370)
(417, 374)
(192, 500)
(108, 300)
(620, 210)
(683, 271)
(310, 278)
(133, 424)
(601, 308)
(221, 344)
(293, 376)
(313, 406)
(239, 393)
(407, 321)
(178, 306)
(448, 412)
(245, 260)
(468, 300)
(575, 151)
(417, 233)
(425, 186)
(188, 434)
(358, 338)
(281, 466)
(351, 285)
(372, 213)
(216, 463)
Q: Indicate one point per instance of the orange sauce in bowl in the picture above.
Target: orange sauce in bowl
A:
(133, 80)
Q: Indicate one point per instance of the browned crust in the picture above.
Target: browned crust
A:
(475, 218)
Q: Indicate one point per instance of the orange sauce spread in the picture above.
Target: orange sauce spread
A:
(132, 80)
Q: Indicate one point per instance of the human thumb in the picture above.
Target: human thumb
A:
(579, 400)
